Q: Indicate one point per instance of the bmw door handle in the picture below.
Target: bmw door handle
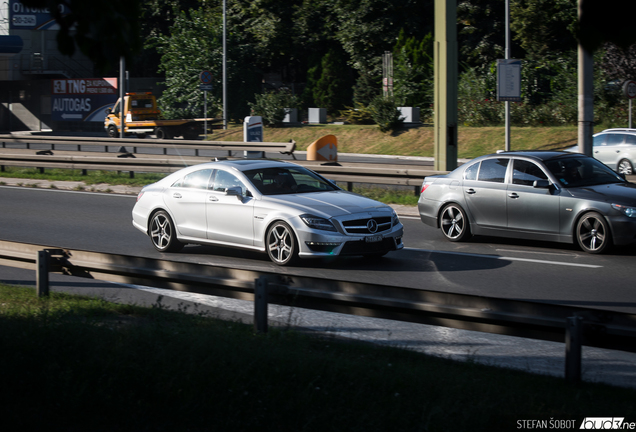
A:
(470, 191)
(176, 195)
(513, 195)
(212, 198)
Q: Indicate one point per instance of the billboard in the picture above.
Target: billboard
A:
(82, 99)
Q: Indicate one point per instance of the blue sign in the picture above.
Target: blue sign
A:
(253, 129)
(205, 77)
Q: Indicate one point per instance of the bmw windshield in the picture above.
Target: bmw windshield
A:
(580, 171)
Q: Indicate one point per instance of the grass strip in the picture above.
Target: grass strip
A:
(73, 363)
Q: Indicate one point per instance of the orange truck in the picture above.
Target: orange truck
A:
(142, 117)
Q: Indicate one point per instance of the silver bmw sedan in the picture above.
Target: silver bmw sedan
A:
(280, 208)
(539, 195)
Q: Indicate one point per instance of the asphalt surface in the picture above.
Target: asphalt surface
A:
(94, 226)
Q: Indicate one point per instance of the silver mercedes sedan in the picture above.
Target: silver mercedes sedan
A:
(276, 207)
(552, 196)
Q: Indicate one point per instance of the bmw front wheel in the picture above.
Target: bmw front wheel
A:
(454, 223)
(281, 244)
(163, 233)
(592, 233)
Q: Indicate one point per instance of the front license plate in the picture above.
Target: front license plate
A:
(373, 239)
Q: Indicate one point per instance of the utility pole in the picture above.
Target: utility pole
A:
(507, 56)
(122, 93)
(224, 64)
(445, 104)
(586, 98)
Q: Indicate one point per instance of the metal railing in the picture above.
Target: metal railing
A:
(575, 326)
(123, 160)
(106, 143)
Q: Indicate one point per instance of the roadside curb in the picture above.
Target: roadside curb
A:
(70, 185)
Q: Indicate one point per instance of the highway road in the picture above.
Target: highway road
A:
(557, 273)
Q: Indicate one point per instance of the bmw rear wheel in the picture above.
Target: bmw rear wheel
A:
(625, 167)
(454, 223)
(163, 233)
(592, 233)
(281, 244)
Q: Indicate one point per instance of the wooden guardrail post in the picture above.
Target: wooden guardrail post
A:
(260, 305)
(42, 273)
(573, 341)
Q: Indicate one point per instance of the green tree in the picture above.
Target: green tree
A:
(619, 64)
(480, 31)
(544, 27)
(367, 28)
(157, 18)
(413, 71)
(194, 45)
(333, 89)
(367, 88)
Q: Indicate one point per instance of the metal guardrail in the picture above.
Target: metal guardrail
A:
(286, 148)
(575, 326)
(134, 162)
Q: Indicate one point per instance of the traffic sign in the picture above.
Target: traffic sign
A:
(205, 87)
(509, 80)
(324, 149)
(630, 89)
(205, 77)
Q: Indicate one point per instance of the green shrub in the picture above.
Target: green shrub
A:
(359, 115)
(385, 113)
(272, 106)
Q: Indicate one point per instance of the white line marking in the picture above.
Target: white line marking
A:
(506, 258)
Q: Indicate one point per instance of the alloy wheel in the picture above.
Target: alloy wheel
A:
(454, 223)
(592, 233)
(625, 167)
(281, 244)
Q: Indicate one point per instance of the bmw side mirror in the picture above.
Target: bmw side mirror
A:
(542, 184)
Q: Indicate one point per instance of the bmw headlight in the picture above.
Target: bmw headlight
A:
(627, 211)
(316, 222)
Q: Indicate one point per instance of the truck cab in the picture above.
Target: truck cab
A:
(142, 117)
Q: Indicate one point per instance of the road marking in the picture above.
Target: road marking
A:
(505, 258)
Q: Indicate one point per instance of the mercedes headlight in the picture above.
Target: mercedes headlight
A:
(316, 222)
(394, 219)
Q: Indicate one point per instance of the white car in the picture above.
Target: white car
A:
(276, 207)
(616, 148)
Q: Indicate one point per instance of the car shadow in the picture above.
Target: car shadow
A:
(622, 250)
(397, 261)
